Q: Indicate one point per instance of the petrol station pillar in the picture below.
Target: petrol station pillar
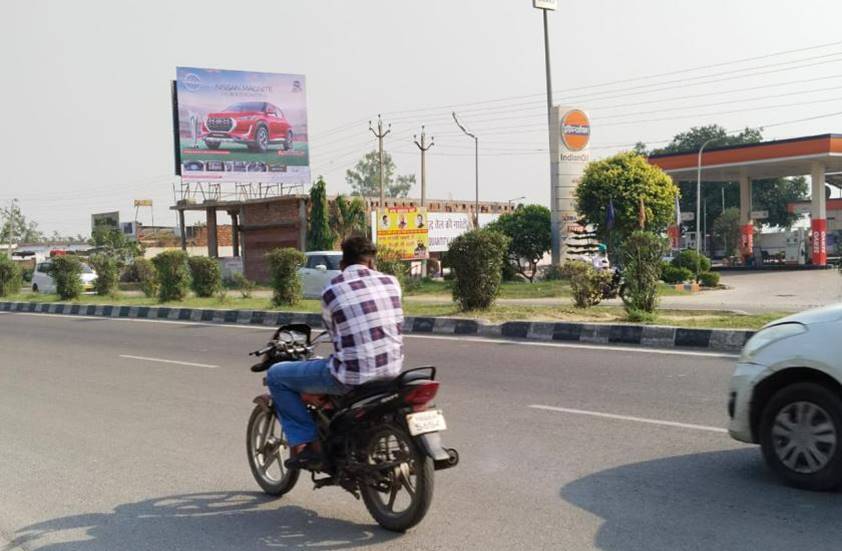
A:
(818, 216)
(746, 224)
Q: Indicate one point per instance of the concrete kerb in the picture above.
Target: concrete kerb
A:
(650, 336)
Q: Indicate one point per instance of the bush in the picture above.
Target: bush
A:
(693, 261)
(389, 262)
(10, 276)
(66, 272)
(173, 275)
(709, 279)
(477, 261)
(642, 254)
(673, 274)
(27, 273)
(107, 273)
(586, 282)
(283, 269)
(243, 284)
(143, 271)
(205, 275)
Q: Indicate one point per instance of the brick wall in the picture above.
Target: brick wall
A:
(266, 226)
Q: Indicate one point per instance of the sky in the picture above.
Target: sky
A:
(88, 125)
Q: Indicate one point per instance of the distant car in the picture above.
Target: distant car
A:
(319, 268)
(255, 124)
(786, 395)
(194, 166)
(42, 281)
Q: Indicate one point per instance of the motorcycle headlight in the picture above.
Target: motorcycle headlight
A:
(765, 337)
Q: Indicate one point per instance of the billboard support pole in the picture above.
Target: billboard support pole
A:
(380, 134)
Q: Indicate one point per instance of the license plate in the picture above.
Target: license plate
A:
(425, 421)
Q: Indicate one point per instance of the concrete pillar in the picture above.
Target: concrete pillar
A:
(235, 233)
(213, 248)
(183, 230)
(818, 215)
(746, 224)
(302, 224)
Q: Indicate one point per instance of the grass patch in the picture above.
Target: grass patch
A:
(708, 319)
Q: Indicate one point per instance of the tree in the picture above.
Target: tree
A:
(693, 139)
(364, 178)
(726, 230)
(319, 235)
(530, 231)
(771, 195)
(16, 226)
(624, 180)
(115, 242)
(347, 217)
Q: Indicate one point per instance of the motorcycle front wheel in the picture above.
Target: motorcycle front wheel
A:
(399, 493)
(267, 450)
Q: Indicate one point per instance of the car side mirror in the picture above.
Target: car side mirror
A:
(321, 268)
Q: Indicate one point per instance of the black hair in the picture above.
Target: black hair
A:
(357, 249)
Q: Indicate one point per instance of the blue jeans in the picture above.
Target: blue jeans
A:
(286, 382)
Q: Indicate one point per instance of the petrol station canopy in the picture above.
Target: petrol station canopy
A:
(773, 159)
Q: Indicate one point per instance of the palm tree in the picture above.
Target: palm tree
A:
(347, 217)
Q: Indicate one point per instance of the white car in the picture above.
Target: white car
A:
(786, 395)
(42, 281)
(319, 268)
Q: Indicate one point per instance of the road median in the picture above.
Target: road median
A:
(653, 336)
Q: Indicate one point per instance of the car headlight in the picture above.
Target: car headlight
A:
(765, 337)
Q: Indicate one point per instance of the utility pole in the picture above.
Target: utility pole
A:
(380, 134)
(476, 165)
(423, 146)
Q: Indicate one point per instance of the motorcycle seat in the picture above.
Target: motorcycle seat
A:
(370, 388)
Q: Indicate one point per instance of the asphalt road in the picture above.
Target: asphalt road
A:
(99, 451)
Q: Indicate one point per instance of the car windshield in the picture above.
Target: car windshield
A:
(245, 107)
(333, 261)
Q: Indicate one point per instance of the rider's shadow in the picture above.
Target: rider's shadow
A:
(206, 521)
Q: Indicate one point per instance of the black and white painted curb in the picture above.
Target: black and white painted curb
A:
(591, 333)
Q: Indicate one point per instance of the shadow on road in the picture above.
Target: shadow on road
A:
(206, 521)
(718, 500)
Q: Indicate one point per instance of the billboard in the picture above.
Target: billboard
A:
(110, 220)
(240, 126)
(405, 230)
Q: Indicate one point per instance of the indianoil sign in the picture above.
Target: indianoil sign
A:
(572, 136)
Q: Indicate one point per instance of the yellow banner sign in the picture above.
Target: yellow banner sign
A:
(143, 202)
(404, 229)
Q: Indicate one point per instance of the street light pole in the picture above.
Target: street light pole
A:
(476, 166)
(545, 6)
(699, 196)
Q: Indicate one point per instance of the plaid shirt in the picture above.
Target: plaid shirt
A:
(362, 309)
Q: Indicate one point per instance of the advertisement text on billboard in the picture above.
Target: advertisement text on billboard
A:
(404, 230)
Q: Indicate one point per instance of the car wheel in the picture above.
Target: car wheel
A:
(212, 145)
(288, 141)
(261, 139)
(801, 436)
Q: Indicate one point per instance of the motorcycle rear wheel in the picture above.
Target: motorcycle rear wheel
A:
(413, 476)
(267, 450)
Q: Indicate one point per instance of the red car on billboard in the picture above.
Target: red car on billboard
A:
(255, 124)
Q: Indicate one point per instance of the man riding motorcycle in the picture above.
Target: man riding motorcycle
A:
(361, 308)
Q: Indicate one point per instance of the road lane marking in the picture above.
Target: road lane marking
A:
(163, 361)
(600, 347)
(461, 338)
(630, 418)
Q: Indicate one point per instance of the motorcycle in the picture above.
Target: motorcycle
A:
(380, 441)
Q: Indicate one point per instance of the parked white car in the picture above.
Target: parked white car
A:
(319, 268)
(786, 395)
(42, 281)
